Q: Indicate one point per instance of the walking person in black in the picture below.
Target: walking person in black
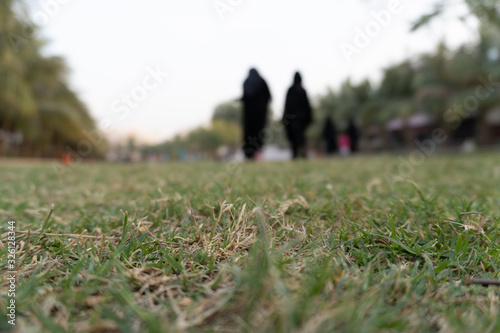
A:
(256, 97)
(297, 117)
(353, 133)
(330, 137)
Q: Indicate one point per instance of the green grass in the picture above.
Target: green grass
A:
(345, 245)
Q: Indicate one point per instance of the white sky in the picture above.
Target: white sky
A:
(109, 44)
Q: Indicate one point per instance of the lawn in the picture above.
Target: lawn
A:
(361, 244)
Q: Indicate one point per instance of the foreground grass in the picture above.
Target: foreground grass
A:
(347, 245)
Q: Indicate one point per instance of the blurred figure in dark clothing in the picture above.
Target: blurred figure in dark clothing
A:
(297, 117)
(353, 133)
(330, 137)
(256, 97)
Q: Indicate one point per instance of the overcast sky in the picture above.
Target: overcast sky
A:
(155, 68)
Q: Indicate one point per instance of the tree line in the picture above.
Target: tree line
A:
(40, 115)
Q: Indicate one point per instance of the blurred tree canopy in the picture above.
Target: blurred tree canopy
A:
(487, 11)
(229, 133)
(229, 112)
(432, 84)
(224, 130)
(37, 106)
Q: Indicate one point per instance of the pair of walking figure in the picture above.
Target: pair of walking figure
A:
(296, 118)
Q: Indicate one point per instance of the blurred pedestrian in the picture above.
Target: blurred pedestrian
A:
(330, 137)
(256, 98)
(353, 133)
(67, 159)
(297, 117)
(344, 144)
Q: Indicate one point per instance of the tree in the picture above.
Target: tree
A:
(228, 132)
(16, 98)
(487, 11)
(350, 102)
(202, 140)
(35, 98)
(228, 111)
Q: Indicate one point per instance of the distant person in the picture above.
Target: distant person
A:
(66, 159)
(353, 133)
(344, 144)
(297, 117)
(256, 98)
(330, 137)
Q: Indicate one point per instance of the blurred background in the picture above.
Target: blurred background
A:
(158, 80)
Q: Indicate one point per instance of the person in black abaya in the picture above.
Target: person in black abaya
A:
(353, 133)
(330, 137)
(256, 97)
(297, 117)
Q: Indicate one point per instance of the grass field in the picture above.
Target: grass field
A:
(359, 244)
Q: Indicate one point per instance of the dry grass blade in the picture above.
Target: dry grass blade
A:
(484, 282)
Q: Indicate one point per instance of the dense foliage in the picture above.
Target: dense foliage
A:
(40, 115)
